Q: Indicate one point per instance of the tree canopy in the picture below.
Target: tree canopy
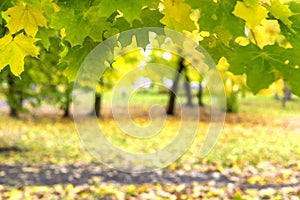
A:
(259, 38)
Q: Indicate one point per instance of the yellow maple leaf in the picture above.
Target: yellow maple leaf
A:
(252, 15)
(13, 50)
(27, 18)
(177, 15)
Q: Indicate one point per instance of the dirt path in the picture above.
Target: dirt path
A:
(81, 174)
(19, 175)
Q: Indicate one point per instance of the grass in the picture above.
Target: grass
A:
(42, 141)
(268, 106)
(258, 146)
(262, 131)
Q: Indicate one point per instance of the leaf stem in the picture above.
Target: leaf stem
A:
(253, 36)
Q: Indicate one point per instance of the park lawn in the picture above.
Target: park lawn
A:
(249, 137)
(259, 146)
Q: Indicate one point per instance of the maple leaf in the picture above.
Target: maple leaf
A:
(79, 25)
(281, 12)
(27, 18)
(177, 15)
(217, 17)
(76, 56)
(252, 15)
(132, 12)
(291, 32)
(13, 50)
(260, 64)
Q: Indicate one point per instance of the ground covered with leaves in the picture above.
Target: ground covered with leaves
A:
(92, 181)
(257, 156)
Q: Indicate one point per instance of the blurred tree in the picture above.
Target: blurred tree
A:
(172, 93)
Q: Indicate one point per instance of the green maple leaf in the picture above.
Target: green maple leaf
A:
(148, 18)
(99, 27)
(131, 9)
(76, 56)
(215, 47)
(13, 50)
(74, 23)
(218, 16)
(281, 12)
(80, 24)
(289, 66)
(291, 77)
(260, 65)
(44, 35)
(256, 63)
(292, 33)
(27, 18)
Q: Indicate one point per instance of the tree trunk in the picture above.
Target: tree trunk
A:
(200, 95)
(66, 110)
(287, 95)
(188, 92)
(13, 112)
(232, 103)
(13, 97)
(172, 94)
(98, 105)
(287, 92)
(67, 102)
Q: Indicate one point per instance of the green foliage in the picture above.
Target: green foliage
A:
(75, 57)
(131, 9)
(281, 12)
(292, 32)
(177, 15)
(81, 25)
(261, 65)
(47, 73)
(217, 18)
